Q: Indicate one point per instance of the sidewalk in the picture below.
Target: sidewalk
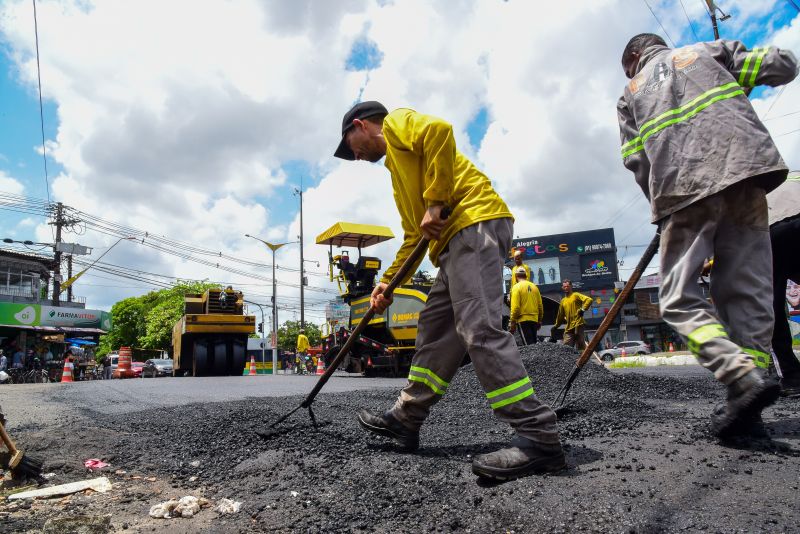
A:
(652, 360)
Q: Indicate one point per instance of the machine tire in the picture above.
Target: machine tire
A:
(200, 352)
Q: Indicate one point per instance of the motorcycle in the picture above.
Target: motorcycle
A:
(304, 365)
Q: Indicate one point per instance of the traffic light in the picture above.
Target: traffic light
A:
(261, 327)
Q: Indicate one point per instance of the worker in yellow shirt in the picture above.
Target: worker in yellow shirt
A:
(526, 308)
(463, 312)
(302, 348)
(570, 312)
(517, 264)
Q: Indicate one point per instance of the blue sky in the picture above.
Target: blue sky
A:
(469, 69)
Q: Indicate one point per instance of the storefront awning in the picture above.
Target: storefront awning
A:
(56, 329)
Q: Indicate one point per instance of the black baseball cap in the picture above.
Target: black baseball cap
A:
(360, 111)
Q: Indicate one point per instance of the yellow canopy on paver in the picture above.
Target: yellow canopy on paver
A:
(345, 234)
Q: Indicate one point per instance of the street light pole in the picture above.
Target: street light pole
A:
(299, 193)
(273, 247)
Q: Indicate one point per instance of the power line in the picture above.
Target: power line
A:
(787, 133)
(41, 107)
(691, 25)
(781, 116)
(774, 101)
(659, 23)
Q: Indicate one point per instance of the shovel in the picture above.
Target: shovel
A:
(401, 274)
(647, 257)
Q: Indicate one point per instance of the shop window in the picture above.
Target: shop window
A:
(654, 297)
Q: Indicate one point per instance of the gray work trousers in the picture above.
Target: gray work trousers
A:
(731, 334)
(464, 314)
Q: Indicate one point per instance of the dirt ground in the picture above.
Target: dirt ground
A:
(640, 456)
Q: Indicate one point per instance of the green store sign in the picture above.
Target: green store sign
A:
(13, 314)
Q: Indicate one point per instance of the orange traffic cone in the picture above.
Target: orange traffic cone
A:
(253, 371)
(320, 366)
(671, 347)
(66, 374)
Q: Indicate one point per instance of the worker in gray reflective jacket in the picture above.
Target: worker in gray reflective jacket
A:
(705, 161)
(784, 233)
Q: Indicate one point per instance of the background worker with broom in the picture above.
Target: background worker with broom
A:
(463, 312)
(705, 161)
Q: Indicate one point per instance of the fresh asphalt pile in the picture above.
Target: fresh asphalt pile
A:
(640, 459)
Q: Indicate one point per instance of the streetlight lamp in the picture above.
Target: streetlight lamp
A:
(273, 247)
(72, 279)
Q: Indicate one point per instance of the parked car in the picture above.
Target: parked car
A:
(157, 367)
(136, 369)
(632, 348)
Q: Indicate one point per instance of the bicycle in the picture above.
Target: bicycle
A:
(36, 376)
(16, 375)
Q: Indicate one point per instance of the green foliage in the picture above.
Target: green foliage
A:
(287, 335)
(146, 322)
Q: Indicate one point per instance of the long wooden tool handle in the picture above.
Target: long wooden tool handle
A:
(7, 440)
(647, 257)
(396, 280)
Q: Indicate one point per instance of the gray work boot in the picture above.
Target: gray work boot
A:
(747, 396)
(749, 428)
(524, 457)
(387, 425)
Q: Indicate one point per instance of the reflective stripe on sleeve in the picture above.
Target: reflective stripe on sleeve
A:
(704, 334)
(511, 393)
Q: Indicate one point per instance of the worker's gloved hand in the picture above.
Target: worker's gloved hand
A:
(580, 312)
(377, 300)
(512, 327)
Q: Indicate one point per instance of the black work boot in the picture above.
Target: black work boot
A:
(790, 386)
(387, 425)
(747, 396)
(749, 428)
(524, 457)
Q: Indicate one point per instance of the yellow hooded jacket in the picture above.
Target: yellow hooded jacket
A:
(568, 311)
(526, 302)
(427, 169)
(302, 343)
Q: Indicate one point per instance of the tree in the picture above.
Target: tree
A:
(146, 322)
(287, 335)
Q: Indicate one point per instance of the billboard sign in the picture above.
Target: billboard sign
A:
(587, 258)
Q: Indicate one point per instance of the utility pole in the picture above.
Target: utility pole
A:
(59, 223)
(299, 193)
(69, 276)
(712, 12)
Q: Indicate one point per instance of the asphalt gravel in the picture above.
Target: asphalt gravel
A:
(640, 456)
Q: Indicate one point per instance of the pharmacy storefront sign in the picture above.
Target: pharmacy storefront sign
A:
(14, 314)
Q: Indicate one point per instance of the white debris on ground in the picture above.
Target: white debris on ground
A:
(228, 506)
(184, 507)
(101, 485)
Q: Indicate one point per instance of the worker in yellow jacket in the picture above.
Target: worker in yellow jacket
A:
(517, 264)
(302, 344)
(570, 312)
(526, 308)
(463, 312)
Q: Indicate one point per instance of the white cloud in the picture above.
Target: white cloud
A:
(10, 185)
(179, 117)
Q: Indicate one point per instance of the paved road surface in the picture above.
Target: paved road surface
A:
(41, 404)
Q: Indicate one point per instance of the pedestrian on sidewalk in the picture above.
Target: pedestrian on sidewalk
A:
(526, 308)
(463, 312)
(570, 312)
(3, 361)
(705, 162)
(107, 369)
(784, 231)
